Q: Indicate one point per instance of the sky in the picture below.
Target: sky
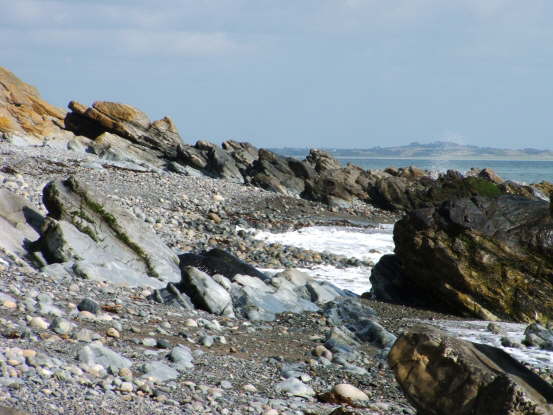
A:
(299, 73)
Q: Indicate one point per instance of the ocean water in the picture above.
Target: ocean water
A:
(522, 171)
(361, 243)
(371, 244)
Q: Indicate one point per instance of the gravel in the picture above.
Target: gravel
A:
(84, 347)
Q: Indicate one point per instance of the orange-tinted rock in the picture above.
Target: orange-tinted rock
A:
(23, 112)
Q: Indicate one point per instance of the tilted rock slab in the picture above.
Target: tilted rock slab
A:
(442, 375)
(106, 234)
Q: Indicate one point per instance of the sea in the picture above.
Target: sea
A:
(371, 242)
(522, 171)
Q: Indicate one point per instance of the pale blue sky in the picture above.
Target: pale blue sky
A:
(327, 73)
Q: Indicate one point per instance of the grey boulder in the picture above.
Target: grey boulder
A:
(205, 293)
(96, 353)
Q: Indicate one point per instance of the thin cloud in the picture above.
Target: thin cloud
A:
(135, 43)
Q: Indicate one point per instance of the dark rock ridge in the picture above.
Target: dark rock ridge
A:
(218, 261)
(442, 375)
(119, 132)
(484, 257)
(321, 178)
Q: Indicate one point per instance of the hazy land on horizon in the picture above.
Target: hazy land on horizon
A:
(433, 151)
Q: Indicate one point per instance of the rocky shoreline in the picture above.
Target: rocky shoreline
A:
(224, 351)
(130, 281)
(235, 364)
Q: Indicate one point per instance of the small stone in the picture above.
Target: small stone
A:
(321, 351)
(89, 305)
(159, 371)
(38, 323)
(28, 353)
(126, 387)
(214, 217)
(149, 342)
(61, 326)
(345, 393)
(163, 344)
(225, 384)
(112, 332)
(207, 341)
(249, 388)
(85, 335)
(125, 372)
(294, 387)
(9, 304)
(189, 322)
(86, 315)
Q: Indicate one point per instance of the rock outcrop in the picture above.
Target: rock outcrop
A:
(442, 375)
(321, 178)
(24, 113)
(128, 129)
(484, 257)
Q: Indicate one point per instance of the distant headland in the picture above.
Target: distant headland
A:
(440, 150)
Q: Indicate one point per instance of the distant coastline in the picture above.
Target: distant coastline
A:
(439, 150)
(442, 158)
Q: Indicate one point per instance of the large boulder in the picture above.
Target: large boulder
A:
(485, 257)
(322, 160)
(255, 300)
(112, 148)
(84, 226)
(442, 375)
(219, 261)
(205, 292)
(339, 187)
(229, 162)
(222, 165)
(244, 154)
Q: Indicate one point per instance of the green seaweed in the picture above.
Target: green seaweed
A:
(483, 187)
(112, 223)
